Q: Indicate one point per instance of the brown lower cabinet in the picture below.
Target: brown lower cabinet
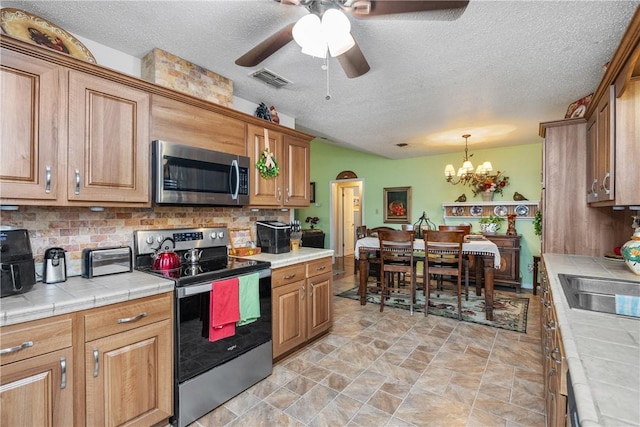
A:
(302, 304)
(554, 362)
(111, 365)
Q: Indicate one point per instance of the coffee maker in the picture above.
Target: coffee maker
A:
(54, 269)
(18, 273)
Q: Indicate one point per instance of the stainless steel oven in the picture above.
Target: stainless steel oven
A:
(208, 373)
(184, 175)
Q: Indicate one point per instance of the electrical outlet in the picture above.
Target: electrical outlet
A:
(530, 267)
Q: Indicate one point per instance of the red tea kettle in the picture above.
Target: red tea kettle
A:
(164, 259)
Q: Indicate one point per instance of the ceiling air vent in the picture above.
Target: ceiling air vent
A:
(270, 78)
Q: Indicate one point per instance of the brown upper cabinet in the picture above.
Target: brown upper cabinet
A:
(291, 187)
(75, 138)
(178, 122)
(613, 127)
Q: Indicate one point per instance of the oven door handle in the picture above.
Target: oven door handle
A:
(193, 290)
(187, 291)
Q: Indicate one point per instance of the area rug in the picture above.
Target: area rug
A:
(508, 313)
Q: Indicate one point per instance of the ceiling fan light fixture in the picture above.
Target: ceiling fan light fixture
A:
(335, 22)
(341, 44)
(307, 29)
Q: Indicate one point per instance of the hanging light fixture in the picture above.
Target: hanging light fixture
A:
(315, 35)
(465, 173)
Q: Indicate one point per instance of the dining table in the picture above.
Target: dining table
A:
(369, 247)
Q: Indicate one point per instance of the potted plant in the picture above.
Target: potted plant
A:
(490, 224)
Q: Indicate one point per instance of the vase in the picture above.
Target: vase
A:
(487, 196)
(631, 250)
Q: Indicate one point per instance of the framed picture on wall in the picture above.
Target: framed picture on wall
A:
(312, 192)
(397, 205)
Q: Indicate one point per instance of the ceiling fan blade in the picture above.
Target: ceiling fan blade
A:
(353, 62)
(388, 7)
(266, 48)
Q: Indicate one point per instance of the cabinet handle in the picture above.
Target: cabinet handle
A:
(289, 276)
(324, 267)
(555, 352)
(77, 191)
(63, 370)
(22, 346)
(604, 186)
(96, 362)
(132, 319)
(311, 290)
(594, 186)
(47, 179)
(288, 193)
(302, 293)
(279, 194)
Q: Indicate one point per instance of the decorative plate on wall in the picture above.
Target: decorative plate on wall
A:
(500, 210)
(35, 30)
(457, 211)
(522, 210)
(476, 210)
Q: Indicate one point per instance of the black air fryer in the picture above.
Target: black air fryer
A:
(16, 262)
(274, 237)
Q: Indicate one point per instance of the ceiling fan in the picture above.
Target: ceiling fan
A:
(349, 55)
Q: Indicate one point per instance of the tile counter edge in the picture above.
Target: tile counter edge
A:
(293, 257)
(588, 386)
(78, 293)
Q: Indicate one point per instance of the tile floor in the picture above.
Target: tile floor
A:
(393, 369)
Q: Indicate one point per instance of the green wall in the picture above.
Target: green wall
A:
(425, 175)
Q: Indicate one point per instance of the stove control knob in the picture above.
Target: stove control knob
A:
(149, 240)
(160, 238)
(220, 234)
(214, 235)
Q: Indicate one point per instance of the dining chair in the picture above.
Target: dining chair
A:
(443, 257)
(465, 258)
(396, 257)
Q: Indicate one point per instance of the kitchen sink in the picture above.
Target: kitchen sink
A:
(595, 293)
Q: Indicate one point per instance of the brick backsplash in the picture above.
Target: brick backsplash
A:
(74, 228)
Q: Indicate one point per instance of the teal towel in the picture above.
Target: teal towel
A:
(628, 305)
(249, 298)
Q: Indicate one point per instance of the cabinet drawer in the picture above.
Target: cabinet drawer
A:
(45, 335)
(121, 317)
(319, 266)
(286, 275)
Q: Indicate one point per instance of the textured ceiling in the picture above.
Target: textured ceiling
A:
(495, 72)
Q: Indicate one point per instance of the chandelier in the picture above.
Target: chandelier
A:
(466, 173)
(322, 30)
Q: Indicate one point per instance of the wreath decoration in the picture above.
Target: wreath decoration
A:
(267, 164)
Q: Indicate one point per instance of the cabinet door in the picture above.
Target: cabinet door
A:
(296, 171)
(129, 377)
(320, 303)
(264, 192)
(593, 186)
(289, 317)
(509, 271)
(38, 391)
(605, 156)
(108, 142)
(33, 127)
(198, 127)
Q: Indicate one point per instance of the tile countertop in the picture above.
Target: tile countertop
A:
(78, 293)
(293, 257)
(602, 350)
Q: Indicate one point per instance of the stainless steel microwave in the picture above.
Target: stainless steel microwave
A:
(184, 175)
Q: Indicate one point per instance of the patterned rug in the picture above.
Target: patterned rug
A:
(508, 312)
